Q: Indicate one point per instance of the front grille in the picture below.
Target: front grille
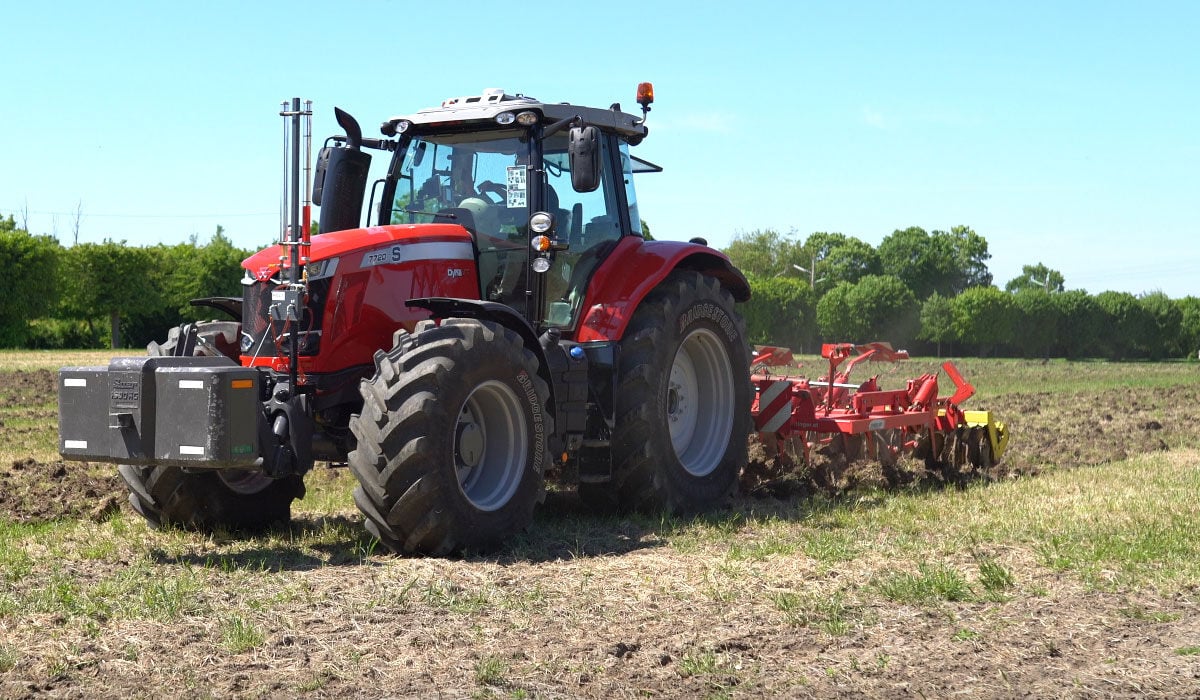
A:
(262, 337)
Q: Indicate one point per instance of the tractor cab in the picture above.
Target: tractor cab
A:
(546, 191)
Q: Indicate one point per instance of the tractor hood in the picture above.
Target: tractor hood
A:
(378, 244)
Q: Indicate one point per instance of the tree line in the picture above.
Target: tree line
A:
(109, 294)
(931, 292)
(928, 291)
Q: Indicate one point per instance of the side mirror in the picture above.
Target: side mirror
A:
(584, 151)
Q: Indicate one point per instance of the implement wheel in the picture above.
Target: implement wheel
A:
(451, 439)
(230, 499)
(682, 402)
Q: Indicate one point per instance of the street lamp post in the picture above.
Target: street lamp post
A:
(811, 272)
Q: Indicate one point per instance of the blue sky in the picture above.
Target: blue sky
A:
(1063, 132)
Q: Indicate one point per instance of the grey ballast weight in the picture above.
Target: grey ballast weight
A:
(199, 412)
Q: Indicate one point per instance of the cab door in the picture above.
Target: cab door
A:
(591, 223)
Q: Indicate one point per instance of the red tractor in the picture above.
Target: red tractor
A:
(500, 314)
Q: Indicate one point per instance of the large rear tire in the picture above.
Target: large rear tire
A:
(228, 499)
(452, 437)
(683, 401)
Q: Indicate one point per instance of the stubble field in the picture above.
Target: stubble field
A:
(1071, 571)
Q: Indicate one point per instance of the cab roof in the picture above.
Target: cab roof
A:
(495, 101)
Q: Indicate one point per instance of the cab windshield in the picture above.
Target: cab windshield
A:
(484, 173)
(478, 180)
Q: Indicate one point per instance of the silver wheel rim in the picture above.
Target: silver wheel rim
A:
(244, 481)
(700, 402)
(491, 445)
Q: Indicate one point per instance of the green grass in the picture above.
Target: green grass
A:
(828, 613)
(995, 579)
(929, 584)
(239, 634)
(490, 670)
(823, 568)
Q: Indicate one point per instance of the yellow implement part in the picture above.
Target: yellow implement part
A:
(997, 433)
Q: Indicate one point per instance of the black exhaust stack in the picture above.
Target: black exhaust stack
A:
(341, 178)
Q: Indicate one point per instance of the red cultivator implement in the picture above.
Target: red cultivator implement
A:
(796, 417)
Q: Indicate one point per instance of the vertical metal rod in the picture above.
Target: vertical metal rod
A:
(294, 222)
(283, 186)
(294, 240)
(306, 233)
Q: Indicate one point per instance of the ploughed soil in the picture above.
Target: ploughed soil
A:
(643, 634)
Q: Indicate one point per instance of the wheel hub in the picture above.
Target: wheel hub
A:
(491, 444)
(699, 402)
(470, 444)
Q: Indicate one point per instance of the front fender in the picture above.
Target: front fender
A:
(637, 266)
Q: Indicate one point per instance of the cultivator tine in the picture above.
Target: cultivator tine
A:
(973, 435)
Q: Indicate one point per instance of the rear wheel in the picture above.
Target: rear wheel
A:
(683, 401)
(451, 439)
(232, 499)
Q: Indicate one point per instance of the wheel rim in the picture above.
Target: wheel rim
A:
(244, 481)
(491, 444)
(700, 403)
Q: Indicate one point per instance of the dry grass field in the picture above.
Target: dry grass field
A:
(1071, 571)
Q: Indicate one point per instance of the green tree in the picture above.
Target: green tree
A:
(1127, 326)
(781, 311)
(910, 256)
(28, 286)
(831, 258)
(942, 262)
(108, 280)
(983, 317)
(835, 318)
(646, 231)
(1165, 321)
(1035, 322)
(764, 253)
(183, 272)
(878, 307)
(219, 273)
(937, 321)
(969, 251)
(1081, 321)
(1189, 325)
(1036, 277)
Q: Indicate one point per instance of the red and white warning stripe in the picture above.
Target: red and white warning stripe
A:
(774, 405)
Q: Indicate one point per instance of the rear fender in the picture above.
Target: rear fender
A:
(633, 269)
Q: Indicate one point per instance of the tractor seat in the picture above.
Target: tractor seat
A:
(461, 216)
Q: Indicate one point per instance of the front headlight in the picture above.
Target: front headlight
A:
(320, 269)
(541, 222)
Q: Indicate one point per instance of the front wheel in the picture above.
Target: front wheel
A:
(451, 439)
(231, 499)
(683, 400)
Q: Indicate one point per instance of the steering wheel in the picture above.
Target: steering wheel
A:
(494, 187)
